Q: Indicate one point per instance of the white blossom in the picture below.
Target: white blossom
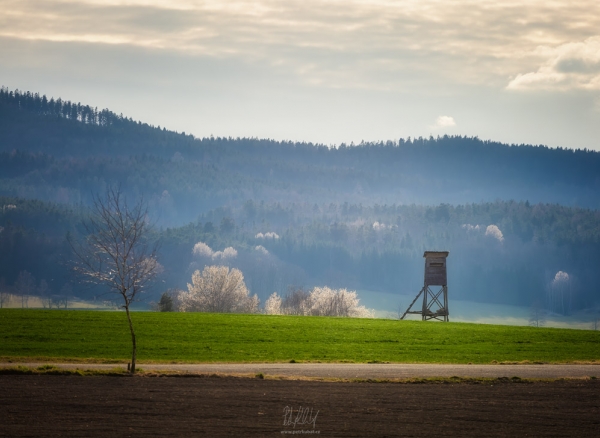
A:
(268, 235)
(560, 277)
(202, 250)
(561, 293)
(378, 227)
(494, 231)
(227, 254)
(273, 305)
(321, 301)
(337, 302)
(217, 289)
(261, 249)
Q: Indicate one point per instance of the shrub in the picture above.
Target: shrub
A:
(321, 301)
(219, 290)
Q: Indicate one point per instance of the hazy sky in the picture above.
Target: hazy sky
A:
(523, 71)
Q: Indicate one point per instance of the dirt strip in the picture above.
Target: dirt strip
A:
(361, 371)
(101, 406)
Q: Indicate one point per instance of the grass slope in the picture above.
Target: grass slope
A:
(201, 337)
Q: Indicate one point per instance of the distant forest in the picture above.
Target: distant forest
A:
(300, 214)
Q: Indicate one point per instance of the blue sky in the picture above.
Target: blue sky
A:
(321, 71)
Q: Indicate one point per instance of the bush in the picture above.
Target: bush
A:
(166, 303)
(219, 290)
(321, 301)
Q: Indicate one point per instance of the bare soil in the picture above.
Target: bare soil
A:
(72, 406)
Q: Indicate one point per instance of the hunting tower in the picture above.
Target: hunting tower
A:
(435, 304)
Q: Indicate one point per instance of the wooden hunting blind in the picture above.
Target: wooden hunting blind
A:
(435, 304)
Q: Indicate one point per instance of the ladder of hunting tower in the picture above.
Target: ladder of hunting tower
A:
(435, 275)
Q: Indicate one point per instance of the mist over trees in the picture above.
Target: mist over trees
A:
(300, 215)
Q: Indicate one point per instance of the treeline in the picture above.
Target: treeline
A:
(34, 103)
(501, 252)
(33, 123)
(60, 151)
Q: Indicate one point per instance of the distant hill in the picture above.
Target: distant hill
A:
(60, 151)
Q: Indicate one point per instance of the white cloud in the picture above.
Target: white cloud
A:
(443, 122)
(360, 44)
(470, 227)
(575, 65)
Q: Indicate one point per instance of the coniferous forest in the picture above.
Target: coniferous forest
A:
(514, 217)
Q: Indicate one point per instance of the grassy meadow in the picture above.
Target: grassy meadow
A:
(201, 337)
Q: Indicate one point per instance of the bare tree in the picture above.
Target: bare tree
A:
(4, 293)
(115, 251)
(25, 286)
(43, 291)
(399, 311)
(537, 315)
(296, 302)
(65, 293)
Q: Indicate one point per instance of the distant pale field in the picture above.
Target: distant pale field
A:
(386, 305)
(34, 302)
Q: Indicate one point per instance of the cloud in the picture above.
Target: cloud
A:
(443, 122)
(363, 44)
(567, 66)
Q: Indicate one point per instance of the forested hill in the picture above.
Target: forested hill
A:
(60, 151)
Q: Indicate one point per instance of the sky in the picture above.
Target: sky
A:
(329, 72)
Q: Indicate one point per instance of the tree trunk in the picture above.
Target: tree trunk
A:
(132, 338)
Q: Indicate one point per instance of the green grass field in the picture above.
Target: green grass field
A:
(201, 337)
